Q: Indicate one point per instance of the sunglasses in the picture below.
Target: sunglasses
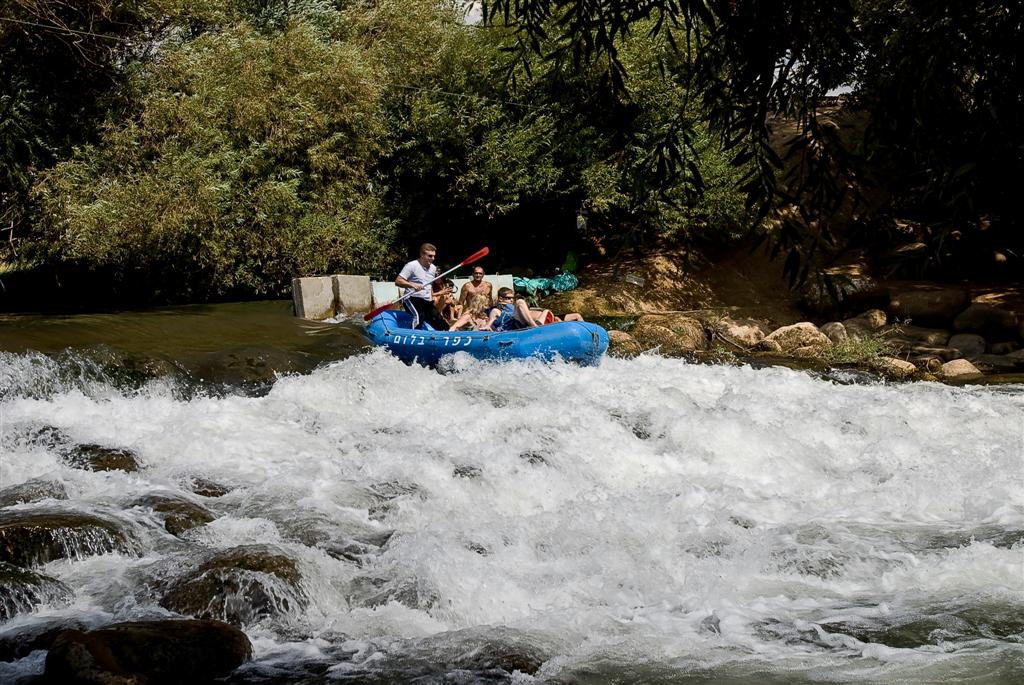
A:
(505, 297)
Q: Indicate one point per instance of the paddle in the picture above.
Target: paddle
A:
(468, 260)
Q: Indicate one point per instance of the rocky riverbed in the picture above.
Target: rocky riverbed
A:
(739, 307)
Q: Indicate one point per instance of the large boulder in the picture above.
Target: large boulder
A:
(148, 653)
(929, 305)
(31, 537)
(790, 338)
(241, 585)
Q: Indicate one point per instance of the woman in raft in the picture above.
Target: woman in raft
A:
(445, 302)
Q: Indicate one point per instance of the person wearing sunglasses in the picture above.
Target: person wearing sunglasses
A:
(512, 314)
(417, 276)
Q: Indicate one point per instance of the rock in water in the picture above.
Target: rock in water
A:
(151, 652)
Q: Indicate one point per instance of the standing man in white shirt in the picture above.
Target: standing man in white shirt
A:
(416, 276)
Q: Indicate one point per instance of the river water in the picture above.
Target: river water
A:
(646, 520)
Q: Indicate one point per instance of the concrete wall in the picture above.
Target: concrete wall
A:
(323, 297)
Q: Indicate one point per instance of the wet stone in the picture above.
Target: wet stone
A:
(241, 585)
(92, 457)
(30, 491)
(207, 488)
(148, 652)
(21, 590)
(533, 458)
(466, 471)
(377, 592)
(930, 630)
(38, 536)
(178, 513)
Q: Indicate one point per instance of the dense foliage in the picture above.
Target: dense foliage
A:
(196, 150)
(256, 141)
(937, 82)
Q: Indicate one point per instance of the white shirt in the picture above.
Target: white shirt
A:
(415, 273)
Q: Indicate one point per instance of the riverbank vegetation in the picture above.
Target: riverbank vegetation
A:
(163, 151)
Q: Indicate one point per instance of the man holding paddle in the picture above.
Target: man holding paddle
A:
(417, 276)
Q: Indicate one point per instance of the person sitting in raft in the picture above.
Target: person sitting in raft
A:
(477, 293)
(445, 302)
(415, 276)
(509, 316)
(471, 319)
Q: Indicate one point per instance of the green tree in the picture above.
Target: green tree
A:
(61, 67)
(248, 160)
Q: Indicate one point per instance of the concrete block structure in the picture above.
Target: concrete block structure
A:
(323, 297)
(313, 297)
(352, 294)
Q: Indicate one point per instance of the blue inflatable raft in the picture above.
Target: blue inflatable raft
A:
(576, 341)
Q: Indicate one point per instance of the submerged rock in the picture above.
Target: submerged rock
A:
(206, 488)
(372, 591)
(37, 536)
(178, 513)
(148, 653)
(30, 491)
(93, 457)
(240, 585)
(21, 590)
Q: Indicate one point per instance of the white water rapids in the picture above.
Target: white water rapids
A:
(647, 520)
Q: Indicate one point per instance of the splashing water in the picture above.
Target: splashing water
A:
(646, 520)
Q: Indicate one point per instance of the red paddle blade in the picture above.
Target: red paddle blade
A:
(369, 315)
(475, 256)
